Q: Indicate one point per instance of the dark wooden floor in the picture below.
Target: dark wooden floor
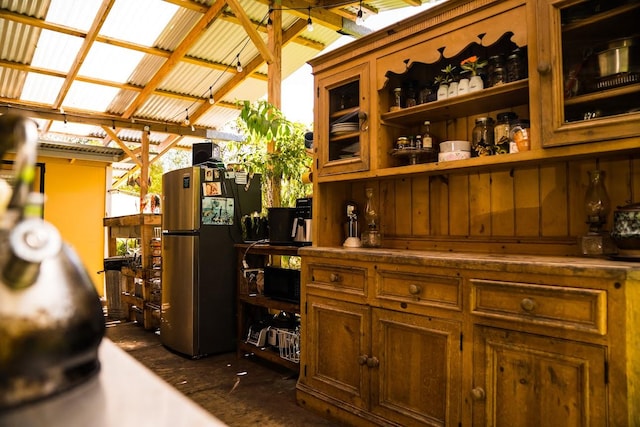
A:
(239, 392)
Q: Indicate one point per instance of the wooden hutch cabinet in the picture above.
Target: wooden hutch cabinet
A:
(478, 309)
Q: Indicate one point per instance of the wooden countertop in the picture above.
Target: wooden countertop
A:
(480, 261)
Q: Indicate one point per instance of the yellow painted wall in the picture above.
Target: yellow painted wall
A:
(75, 204)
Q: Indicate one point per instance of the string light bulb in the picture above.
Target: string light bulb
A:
(239, 66)
(211, 100)
(309, 21)
(187, 122)
(193, 128)
(269, 20)
(359, 15)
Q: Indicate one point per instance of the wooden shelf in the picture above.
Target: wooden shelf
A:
(245, 301)
(267, 354)
(144, 275)
(493, 98)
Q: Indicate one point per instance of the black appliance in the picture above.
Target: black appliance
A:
(282, 284)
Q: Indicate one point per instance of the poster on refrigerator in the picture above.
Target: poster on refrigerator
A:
(217, 210)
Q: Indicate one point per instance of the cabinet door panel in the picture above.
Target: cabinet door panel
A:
(418, 380)
(336, 339)
(528, 380)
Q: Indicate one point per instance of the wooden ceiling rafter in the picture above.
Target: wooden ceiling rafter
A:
(247, 69)
(89, 39)
(179, 52)
(122, 145)
(253, 34)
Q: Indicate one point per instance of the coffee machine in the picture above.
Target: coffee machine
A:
(301, 229)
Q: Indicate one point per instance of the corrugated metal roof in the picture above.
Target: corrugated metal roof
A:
(129, 71)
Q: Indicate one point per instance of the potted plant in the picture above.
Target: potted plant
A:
(472, 67)
(444, 81)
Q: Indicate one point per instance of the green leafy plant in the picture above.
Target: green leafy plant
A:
(447, 76)
(275, 148)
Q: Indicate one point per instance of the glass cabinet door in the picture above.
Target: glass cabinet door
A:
(342, 122)
(589, 70)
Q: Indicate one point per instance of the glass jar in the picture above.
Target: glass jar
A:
(501, 132)
(515, 66)
(482, 135)
(411, 98)
(519, 134)
(495, 62)
(402, 142)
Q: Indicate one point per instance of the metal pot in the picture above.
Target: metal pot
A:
(626, 227)
(620, 56)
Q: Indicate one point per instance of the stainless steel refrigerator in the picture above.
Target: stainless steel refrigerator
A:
(200, 224)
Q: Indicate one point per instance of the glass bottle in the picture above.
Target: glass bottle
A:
(596, 201)
(371, 235)
(427, 138)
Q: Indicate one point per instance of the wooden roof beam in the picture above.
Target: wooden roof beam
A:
(251, 31)
(180, 51)
(101, 16)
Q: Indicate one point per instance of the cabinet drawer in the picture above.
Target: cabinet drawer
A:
(340, 277)
(556, 306)
(421, 288)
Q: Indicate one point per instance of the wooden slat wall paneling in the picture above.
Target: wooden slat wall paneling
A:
(502, 204)
(526, 202)
(459, 205)
(439, 206)
(553, 194)
(480, 204)
(420, 222)
(403, 207)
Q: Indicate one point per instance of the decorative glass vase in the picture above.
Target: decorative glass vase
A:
(475, 84)
(443, 90)
(463, 86)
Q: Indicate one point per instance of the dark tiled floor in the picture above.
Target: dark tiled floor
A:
(239, 392)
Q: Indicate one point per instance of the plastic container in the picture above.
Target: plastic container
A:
(453, 155)
(450, 146)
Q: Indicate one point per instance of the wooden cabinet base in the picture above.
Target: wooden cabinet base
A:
(335, 409)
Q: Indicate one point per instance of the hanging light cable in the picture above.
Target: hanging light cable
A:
(269, 21)
(359, 16)
(309, 21)
(211, 100)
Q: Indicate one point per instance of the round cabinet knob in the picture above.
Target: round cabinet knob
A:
(527, 304)
(362, 359)
(373, 362)
(415, 289)
(544, 67)
(478, 393)
(334, 277)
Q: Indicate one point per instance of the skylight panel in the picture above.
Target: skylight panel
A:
(56, 51)
(139, 21)
(89, 96)
(41, 88)
(110, 63)
(78, 14)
